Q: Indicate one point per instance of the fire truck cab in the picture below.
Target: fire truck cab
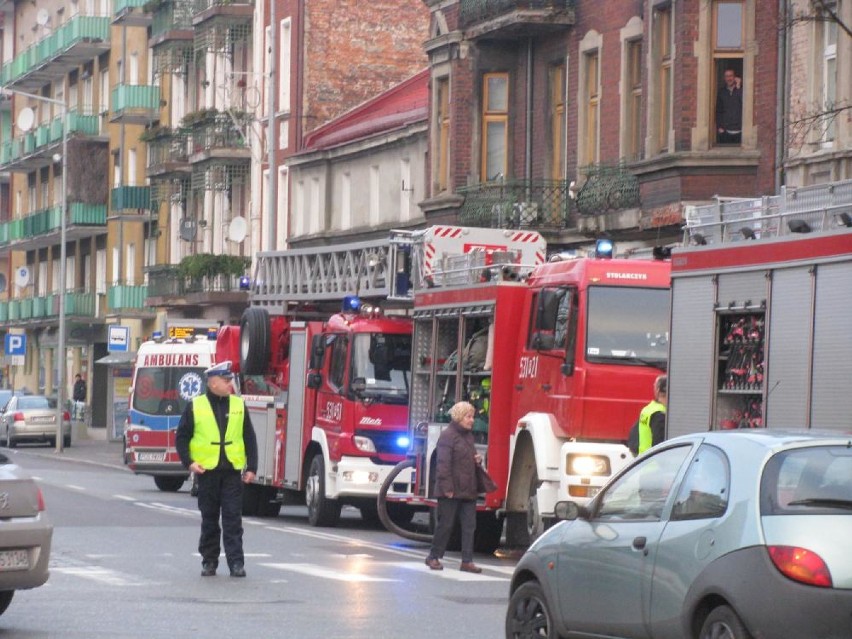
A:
(572, 348)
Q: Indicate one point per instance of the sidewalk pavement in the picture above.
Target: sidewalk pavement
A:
(89, 445)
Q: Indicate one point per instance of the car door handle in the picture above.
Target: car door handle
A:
(639, 544)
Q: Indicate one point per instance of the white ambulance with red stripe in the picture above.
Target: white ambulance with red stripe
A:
(168, 373)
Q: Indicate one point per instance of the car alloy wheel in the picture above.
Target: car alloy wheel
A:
(723, 623)
(529, 615)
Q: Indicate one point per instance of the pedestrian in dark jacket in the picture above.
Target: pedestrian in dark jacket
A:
(216, 441)
(456, 487)
(729, 110)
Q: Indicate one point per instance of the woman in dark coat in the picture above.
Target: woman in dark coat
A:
(455, 487)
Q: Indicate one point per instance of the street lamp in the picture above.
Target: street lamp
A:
(26, 125)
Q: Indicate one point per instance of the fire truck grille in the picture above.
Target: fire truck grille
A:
(386, 442)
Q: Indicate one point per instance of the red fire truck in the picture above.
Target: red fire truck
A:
(761, 308)
(327, 386)
(572, 347)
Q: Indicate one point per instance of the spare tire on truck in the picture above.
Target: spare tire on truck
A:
(254, 341)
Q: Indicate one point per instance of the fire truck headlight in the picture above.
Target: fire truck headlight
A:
(588, 465)
(364, 444)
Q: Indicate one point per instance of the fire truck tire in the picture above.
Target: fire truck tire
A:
(168, 483)
(523, 528)
(322, 511)
(489, 530)
(254, 341)
(386, 510)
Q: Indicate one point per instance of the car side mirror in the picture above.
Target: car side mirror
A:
(569, 511)
(314, 381)
(358, 385)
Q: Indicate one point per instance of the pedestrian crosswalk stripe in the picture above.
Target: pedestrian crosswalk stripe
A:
(101, 575)
(449, 572)
(313, 570)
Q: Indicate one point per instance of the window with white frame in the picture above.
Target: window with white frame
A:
(284, 66)
(346, 201)
(728, 55)
(633, 100)
(405, 190)
(374, 195)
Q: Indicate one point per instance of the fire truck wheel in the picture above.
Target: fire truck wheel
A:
(169, 484)
(254, 341)
(489, 530)
(322, 511)
(723, 622)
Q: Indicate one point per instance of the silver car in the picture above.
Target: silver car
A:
(25, 533)
(32, 418)
(721, 535)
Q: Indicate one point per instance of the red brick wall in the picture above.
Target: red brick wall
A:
(355, 50)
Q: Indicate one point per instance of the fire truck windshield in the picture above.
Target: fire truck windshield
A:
(165, 391)
(383, 361)
(628, 324)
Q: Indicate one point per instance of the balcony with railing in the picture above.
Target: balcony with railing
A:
(169, 286)
(43, 310)
(131, 13)
(128, 300)
(80, 39)
(133, 201)
(135, 104)
(217, 136)
(508, 19)
(221, 24)
(608, 187)
(168, 153)
(35, 149)
(43, 228)
(540, 205)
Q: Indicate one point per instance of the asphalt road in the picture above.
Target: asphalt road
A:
(124, 564)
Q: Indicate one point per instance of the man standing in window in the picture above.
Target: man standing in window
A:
(729, 110)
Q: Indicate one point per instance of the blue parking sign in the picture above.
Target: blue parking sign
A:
(15, 344)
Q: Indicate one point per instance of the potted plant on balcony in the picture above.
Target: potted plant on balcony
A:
(195, 118)
(205, 265)
(155, 133)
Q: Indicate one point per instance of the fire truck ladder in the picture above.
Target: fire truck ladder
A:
(376, 270)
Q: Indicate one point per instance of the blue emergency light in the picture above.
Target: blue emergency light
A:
(156, 334)
(403, 441)
(245, 283)
(351, 304)
(604, 249)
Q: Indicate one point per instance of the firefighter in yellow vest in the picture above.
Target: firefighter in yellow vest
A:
(216, 441)
(650, 429)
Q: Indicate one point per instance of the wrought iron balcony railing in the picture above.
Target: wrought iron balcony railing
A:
(608, 187)
(532, 204)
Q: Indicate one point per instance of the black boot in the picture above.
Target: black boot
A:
(208, 568)
(238, 570)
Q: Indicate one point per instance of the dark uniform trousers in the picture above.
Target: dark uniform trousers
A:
(221, 491)
(450, 510)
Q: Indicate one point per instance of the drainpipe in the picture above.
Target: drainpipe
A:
(529, 131)
(782, 79)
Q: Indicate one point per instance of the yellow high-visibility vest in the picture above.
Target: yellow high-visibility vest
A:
(205, 445)
(646, 437)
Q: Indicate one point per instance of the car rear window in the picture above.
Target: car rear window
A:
(808, 481)
(33, 402)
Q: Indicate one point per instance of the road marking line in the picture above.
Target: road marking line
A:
(75, 487)
(124, 497)
(101, 575)
(453, 574)
(326, 573)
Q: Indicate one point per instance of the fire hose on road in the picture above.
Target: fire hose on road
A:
(382, 506)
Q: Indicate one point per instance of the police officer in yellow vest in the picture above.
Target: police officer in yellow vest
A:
(216, 441)
(650, 429)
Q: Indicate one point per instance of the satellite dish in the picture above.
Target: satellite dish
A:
(22, 276)
(25, 119)
(188, 229)
(237, 229)
(42, 17)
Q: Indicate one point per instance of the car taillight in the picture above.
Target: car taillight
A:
(40, 499)
(801, 564)
(18, 417)
(66, 416)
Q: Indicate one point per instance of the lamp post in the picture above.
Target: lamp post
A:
(60, 349)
